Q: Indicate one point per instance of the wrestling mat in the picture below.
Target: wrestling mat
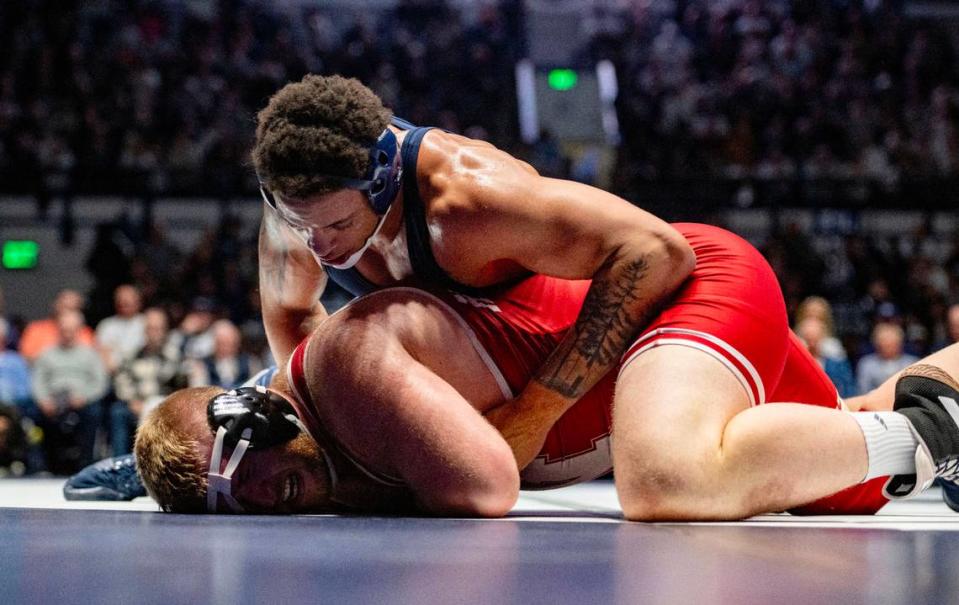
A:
(562, 546)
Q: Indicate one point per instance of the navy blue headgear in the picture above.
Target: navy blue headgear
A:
(381, 182)
(267, 415)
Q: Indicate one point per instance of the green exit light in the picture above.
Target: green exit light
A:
(562, 79)
(20, 254)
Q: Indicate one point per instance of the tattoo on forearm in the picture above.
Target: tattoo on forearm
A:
(611, 315)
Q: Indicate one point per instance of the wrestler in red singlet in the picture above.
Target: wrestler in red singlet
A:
(731, 307)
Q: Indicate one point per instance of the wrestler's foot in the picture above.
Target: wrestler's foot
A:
(110, 479)
(950, 494)
(929, 398)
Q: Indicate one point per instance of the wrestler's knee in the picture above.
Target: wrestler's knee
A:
(653, 483)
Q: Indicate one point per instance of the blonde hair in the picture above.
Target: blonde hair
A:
(168, 454)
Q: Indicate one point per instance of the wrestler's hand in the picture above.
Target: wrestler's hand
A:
(525, 421)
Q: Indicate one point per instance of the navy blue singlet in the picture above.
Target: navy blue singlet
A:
(425, 267)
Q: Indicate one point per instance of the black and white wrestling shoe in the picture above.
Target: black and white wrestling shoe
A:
(929, 398)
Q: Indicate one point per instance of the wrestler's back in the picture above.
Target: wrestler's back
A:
(396, 319)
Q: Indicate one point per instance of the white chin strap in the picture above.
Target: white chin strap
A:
(356, 256)
(220, 484)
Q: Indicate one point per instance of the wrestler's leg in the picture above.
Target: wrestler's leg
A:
(686, 444)
(881, 398)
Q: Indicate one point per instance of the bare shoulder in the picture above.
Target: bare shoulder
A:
(472, 190)
(459, 175)
(392, 317)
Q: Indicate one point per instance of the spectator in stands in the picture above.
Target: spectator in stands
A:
(194, 335)
(143, 381)
(952, 326)
(68, 381)
(108, 262)
(817, 307)
(41, 334)
(14, 375)
(161, 256)
(18, 415)
(889, 358)
(228, 366)
(14, 446)
(121, 335)
(814, 333)
(12, 337)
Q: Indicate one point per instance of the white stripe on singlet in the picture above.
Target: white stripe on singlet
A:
(289, 373)
(721, 350)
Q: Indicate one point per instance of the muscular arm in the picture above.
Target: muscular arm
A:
(291, 282)
(574, 231)
(398, 416)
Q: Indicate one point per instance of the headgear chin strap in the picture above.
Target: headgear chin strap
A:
(245, 418)
(221, 484)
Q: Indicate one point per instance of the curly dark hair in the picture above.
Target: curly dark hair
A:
(318, 127)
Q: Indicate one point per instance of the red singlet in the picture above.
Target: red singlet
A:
(731, 307)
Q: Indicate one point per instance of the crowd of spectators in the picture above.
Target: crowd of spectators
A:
(78, 400)
(910, 279)
(780, 89)
(93, 90)
(728, 88)
(74, 384)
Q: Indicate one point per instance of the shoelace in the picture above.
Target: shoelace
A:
(948, 470)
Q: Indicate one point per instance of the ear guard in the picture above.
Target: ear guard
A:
(265, 413)
(384, 174)
(381, 182)
(244, 419)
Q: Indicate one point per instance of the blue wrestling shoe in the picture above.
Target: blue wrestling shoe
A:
(110, 479)
(929, 398)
